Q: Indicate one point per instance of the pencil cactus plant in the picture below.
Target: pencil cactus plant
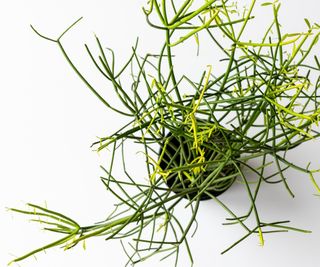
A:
(199, 136)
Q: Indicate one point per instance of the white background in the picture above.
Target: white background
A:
(49, 119)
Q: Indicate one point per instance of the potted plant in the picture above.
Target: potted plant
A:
(199, 137)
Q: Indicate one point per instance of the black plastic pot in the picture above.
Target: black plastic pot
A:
(179, 182)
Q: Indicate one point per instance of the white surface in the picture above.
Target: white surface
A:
(49, 119)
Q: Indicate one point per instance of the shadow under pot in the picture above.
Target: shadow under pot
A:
(180, 161)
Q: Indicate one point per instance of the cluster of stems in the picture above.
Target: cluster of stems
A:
(263, 104)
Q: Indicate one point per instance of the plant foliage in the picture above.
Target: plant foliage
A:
(262, 105)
